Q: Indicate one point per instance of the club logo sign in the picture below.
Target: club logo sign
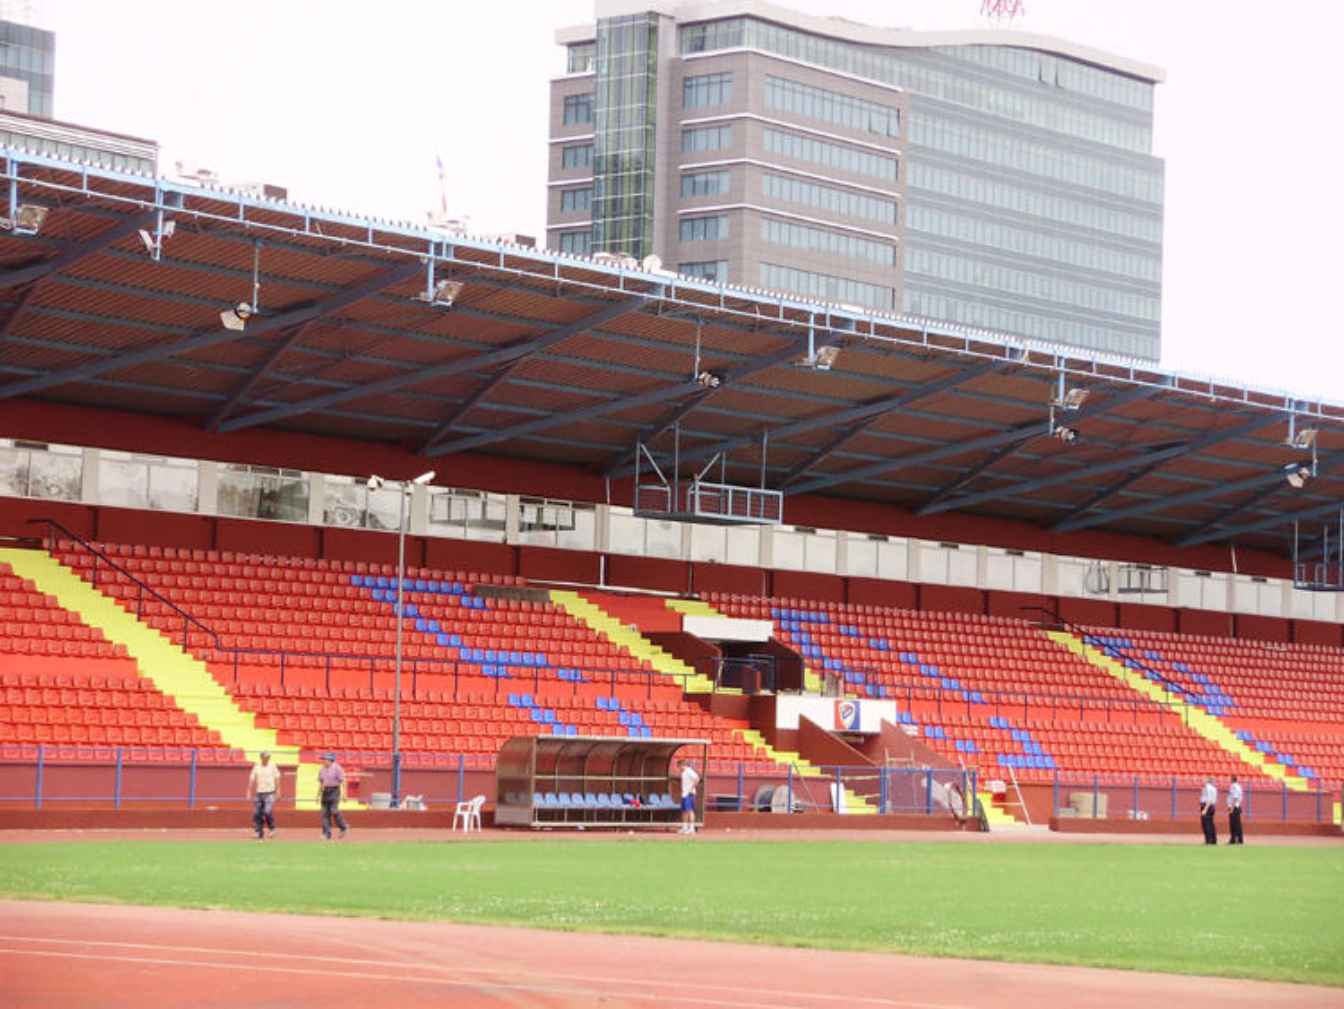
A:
(847, 716)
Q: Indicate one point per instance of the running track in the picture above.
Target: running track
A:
(66, 956)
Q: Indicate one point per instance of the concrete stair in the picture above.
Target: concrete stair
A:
(173, 671)
(1198, 720)
(597, 619)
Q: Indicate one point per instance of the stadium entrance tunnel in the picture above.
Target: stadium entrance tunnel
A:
(577, 782)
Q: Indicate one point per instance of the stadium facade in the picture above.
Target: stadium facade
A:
(998, 179)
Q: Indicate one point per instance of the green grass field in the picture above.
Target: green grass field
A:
(1272, 913)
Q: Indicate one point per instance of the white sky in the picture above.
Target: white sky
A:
(347, 104)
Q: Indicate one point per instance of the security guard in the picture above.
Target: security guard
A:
(1208, 805)
(1234, 813)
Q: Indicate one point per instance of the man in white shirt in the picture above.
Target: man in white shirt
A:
(689, 780)
(1208, 805)
(263, 788)
(1234, 813)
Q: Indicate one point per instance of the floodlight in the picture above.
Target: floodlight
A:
(153, 242)
(1304, 438)
(375, 482)
(1298, 474)
(236, 318)
(822, 360)
(1067, 435)
(708, 380)
(423, 478)
(27, 220)
(1073, 399)
(444, 294)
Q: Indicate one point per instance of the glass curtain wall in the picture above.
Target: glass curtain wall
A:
(624, 134)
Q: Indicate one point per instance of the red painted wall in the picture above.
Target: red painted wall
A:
(1313, 632)
(805, 585)
(1096, 612)
(371, 547)
(875, 592)
(1141, 617)
(654, 573)
(1262, 628)
(549, 564)
(156, 529)
(15, 513)
(951, 599)
(728, 578)
(279, 538)
(1011, 604)
(1207, 622)
(470, 555)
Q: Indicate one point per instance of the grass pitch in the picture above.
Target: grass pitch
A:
(1271, 913)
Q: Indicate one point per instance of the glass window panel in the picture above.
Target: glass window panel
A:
(263, 493)
(705, 183)
(836, 157)
(55, 476)
(13, 471)
(826, 287)
(576, 156)
(578, 109)
(710, 269)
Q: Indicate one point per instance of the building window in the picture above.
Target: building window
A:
(706, 138)
(826, 287)
(787, 189)
(577, 156)
(576, 243)
(833, 156)
(578, 109)
(706, 269)
(581, 58)
(830, 243)
(832, 107)
(707, 89)
(576, 200)
(704, 229)
(704, 184)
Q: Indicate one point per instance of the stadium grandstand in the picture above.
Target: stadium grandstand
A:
(876, 565)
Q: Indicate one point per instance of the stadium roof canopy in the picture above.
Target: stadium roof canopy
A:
(545, 356)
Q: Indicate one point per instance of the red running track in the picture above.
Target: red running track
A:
(72, 955)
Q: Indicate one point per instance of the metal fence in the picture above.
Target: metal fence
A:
(1139, 798)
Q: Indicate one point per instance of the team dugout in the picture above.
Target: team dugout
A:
(594, 781)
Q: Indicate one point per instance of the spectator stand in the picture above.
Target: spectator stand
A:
(579, 782)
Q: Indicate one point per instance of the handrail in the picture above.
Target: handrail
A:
(53, 526)
(1008, 699)
(613, 676)
(1184, 693)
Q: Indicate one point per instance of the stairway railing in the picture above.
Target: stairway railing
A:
(331, 660)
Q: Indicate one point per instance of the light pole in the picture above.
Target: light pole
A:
(404, 487)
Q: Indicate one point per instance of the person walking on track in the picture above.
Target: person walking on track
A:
(263, 788)
(1208, 805)
(690, 778)
(1234, 813)
(330, 792)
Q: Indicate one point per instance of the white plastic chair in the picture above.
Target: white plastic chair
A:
(469, 813)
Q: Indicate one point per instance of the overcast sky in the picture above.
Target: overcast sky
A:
(347, 104)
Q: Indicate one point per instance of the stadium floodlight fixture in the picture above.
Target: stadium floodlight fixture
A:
(708, 380)
(375, 482)
(153, 240)
(235, 318)
(1304, 438)
(423, 478)
(1299, 474)
(1068, 435)
(443, 293)
(27, 219)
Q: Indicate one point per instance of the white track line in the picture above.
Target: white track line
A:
(643, 983)
(586, 993)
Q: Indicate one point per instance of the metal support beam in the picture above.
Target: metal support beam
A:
(969, 477)
(677, 391)
(1021, 433)
(1064, 524)
(205, 338)
(96, 244)
(1273, 522)
(873, 411)
(243, 388)
(1267, 483)
(1072, 475)
(1263, 494)
(508, 354)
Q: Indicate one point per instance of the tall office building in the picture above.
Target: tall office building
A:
(992, 178)
(27, 62)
